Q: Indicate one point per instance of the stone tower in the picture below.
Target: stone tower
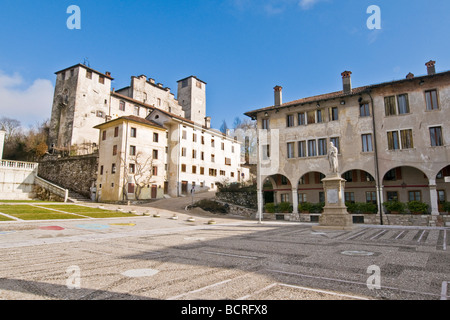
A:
(192, 98)
(80, 102)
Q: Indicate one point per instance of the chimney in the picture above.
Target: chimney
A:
(347, 81)
(431, 67)
(208, 122)
(410, 76)
(108, 74)
(278, 96)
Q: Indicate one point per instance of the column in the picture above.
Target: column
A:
(295, 200)
(434, 198)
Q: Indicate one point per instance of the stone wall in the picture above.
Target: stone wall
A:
(74, 173)
(244, 199)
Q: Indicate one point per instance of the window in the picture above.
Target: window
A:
(131, 168)
(222, 146)
(311, 117)
(132, 150)
(265, 124)
(364, 110)
(194, 154)
(393, 140)
(403, 104)
(213, 158)
(202, 170)
(290, 120)
(222, 172)
(302, 198)
(228, 161)
(194, 137)
(302, 153)
(213, 172)
(371, 197)
(203, 140)
(266, 152)
(122, 105)
(183, 152)
(389, 106)
(285, 197)
(391, 175)
(232, 174)
(184, 135)
(88, 74)
(104, 135)
(155, 154)
(348, 176)
(319, 116)
(212, 143)
(100, 114)
(136, 110)
(349, 197)
(101, 170)
(367, 143)
(290, 150)
(184, 83)
(155, 170)
(158, 101)
(133, 132)
(407, 139)
(322, 145)
(183, 168)
(199, 84)
(431, 99)
(113, 168)
(131, 188)
(392, 196)
(301, 119)
(116, 132)
(232, 149)
(336, 143)
(194, 169)
(415, 196)
(114, 150)
(441, 196)
(312, 152)
(436, 137)
(334, 114)
(155, 137)
(101, 79)
(202, 155)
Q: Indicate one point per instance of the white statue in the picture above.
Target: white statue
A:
(333, 158)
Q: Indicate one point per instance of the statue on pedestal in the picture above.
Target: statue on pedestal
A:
(333, 158)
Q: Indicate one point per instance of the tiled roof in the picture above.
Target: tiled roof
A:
(338, 94)
(135, 119)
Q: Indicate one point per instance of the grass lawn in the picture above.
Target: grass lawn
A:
(44, 212)
(3, 218)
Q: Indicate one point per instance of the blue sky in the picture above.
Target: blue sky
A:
(241, 48)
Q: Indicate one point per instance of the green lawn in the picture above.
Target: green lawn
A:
(3, 218)
(44, 212)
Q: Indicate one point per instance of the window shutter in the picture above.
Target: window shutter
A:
(307, 178)
(363, 176)
(398, 173)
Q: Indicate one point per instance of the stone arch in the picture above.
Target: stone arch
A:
(281, 190)
(360, 186)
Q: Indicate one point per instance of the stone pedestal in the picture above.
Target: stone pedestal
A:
(335, 215)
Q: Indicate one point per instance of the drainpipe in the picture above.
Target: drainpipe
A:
(377, 167)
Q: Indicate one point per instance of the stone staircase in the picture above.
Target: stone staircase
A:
(76, 197)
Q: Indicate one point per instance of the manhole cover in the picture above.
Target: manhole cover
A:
(357, 253)
(139, 273)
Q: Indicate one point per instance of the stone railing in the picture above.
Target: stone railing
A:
(18, 165)
(53, 188)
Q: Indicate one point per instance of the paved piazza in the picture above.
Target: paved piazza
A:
(146, 257)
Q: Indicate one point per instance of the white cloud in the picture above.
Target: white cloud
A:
(28, 103)
(308, 4)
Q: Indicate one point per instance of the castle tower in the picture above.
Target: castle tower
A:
(80, 102)
(192, 98)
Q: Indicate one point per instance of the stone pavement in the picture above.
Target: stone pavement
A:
(145, 257)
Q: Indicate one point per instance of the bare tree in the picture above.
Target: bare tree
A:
(139, 168)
